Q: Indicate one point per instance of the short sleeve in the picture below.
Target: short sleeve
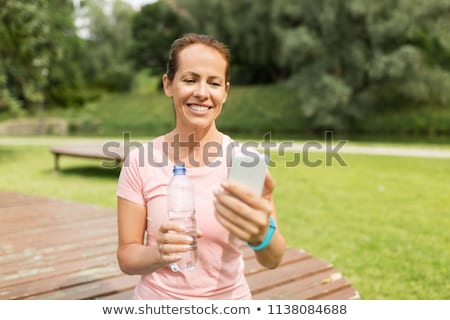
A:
(130, 185)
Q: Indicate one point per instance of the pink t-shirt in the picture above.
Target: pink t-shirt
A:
(219, 273)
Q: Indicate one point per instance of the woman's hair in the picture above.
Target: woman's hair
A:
(194, 38)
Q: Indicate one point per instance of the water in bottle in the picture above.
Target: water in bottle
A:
(181, 209)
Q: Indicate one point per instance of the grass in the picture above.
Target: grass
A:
(383, 221)
(29, 169)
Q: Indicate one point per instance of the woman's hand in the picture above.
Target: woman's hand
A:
(243, 213)
(172, 242)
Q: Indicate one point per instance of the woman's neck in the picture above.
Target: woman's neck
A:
(192, 146)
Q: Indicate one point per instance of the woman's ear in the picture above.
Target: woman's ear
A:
(227, 88)
(167, 85)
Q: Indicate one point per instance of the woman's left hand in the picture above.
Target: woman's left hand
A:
(243, 213)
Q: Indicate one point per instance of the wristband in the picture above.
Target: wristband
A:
(268, 237)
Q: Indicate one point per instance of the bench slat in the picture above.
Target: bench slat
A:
(92, 290)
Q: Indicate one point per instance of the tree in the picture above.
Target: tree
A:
(237, 23)
(40, 55)
(349, 58)
(107, 46)
(24, 53)
(247, 28)
(66, 81)
(154, 28)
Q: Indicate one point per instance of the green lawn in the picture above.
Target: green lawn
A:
(383, 221)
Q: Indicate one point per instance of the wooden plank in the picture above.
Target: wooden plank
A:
(285, 273)
(286, 291)
(54, 249)
(92, 290)
(348, 293)
(315, 292)
(123, 295)
(60, 232)
(52, 258)
(49, 272)
(109, 152)
(47, 214)
(32, 255)
(42, 285)
(12, 199)
(292, 255)
(93, 151)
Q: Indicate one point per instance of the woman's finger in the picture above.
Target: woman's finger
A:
(247, 196)
(233, 229)
(242, 212)
(235, 219)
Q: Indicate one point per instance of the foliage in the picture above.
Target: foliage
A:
(249, 110)
(153, 29)
(247, 28)
(237, 23)
(7, 101)
(351, 58)
(40, 55)
(348, 62)
(107, 44)
(66, 81)
(24, 53)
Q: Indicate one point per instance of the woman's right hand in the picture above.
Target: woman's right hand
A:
(172, 242)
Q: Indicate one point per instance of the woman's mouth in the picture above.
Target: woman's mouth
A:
(199, 108)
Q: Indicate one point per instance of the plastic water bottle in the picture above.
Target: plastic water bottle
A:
(181, 210)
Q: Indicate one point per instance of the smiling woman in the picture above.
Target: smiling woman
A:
(227, 213)
(198, 93)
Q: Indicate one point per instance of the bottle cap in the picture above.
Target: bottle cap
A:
(179, 169)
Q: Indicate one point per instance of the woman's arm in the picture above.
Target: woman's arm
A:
(133, 256)
(247, 215)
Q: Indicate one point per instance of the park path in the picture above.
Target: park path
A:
(348, 148)
(421, 152)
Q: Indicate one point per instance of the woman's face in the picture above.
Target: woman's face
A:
(199, 88)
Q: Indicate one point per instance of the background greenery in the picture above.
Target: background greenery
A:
(383, 221)
(345, 61)
(250, 109)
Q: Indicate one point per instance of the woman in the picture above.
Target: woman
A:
(227, 213)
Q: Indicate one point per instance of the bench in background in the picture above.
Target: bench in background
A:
(112, 152)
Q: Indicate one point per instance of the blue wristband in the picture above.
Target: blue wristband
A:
(267, 238)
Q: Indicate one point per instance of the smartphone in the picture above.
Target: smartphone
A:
(249, 170)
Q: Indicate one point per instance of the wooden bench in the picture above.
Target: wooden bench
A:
(112, 152)
(55, 249)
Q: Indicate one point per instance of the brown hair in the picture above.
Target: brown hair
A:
(193, 38)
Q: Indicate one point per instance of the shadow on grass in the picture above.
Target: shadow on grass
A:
(91, 171)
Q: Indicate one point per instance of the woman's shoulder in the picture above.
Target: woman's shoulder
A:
(227, 140)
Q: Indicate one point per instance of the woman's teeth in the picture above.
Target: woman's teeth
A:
(198, 108)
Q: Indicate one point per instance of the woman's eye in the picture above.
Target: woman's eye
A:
(189, 80)
(216, 84)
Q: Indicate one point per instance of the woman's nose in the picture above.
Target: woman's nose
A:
(201, 90)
